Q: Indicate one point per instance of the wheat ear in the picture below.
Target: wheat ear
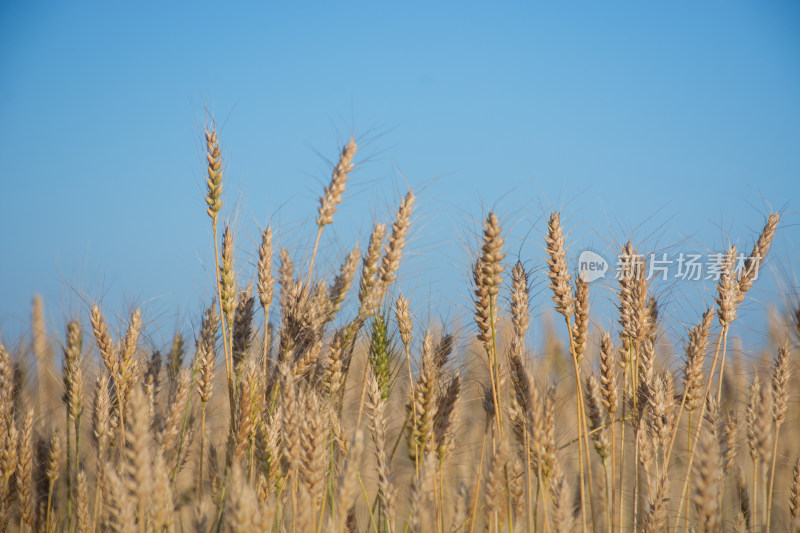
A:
(780, 398)
(41, 350)
(726, 312)
(25, 487)
(52, 471)
(424, 404)
(266, 289)
(708, 476)
(101, 432)
(73, 397)
(227, 295)
(83, 518)
(758, 435)
(396, 242)
(692, 397)
(386, 489)
(338, 289)
(332, 196)
(794, 497)
(369, 270)
(566, 306)
(205, 355)
(487, 280)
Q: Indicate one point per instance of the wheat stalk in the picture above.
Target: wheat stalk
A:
(566, 306)
(487, 279)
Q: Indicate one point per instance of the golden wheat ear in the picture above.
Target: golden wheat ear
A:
(558, 271)
(708, 476)
(794, 496)
(335, 189)
(214, 179)
(266, 289)
(332, 196)
(25, 482)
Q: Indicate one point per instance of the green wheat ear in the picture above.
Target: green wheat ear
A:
(380, 354)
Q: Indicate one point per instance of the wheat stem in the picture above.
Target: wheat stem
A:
(583, 432)
(720, 340)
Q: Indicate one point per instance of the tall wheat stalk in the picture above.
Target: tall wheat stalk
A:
(566, 305)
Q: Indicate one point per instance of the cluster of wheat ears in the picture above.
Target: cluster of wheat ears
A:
(357, 417)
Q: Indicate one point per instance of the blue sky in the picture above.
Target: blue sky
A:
(677, 122)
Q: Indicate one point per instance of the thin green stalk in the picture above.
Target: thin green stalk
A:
(478, 485)
(675, 428)
(772, 473)
(399, 437)
(313, 255)
(184, 427)
(366, 498)
(722, 339)
(221, 507)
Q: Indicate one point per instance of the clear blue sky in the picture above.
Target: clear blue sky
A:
(678, 121)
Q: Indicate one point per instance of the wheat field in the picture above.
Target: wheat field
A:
(308, 402)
